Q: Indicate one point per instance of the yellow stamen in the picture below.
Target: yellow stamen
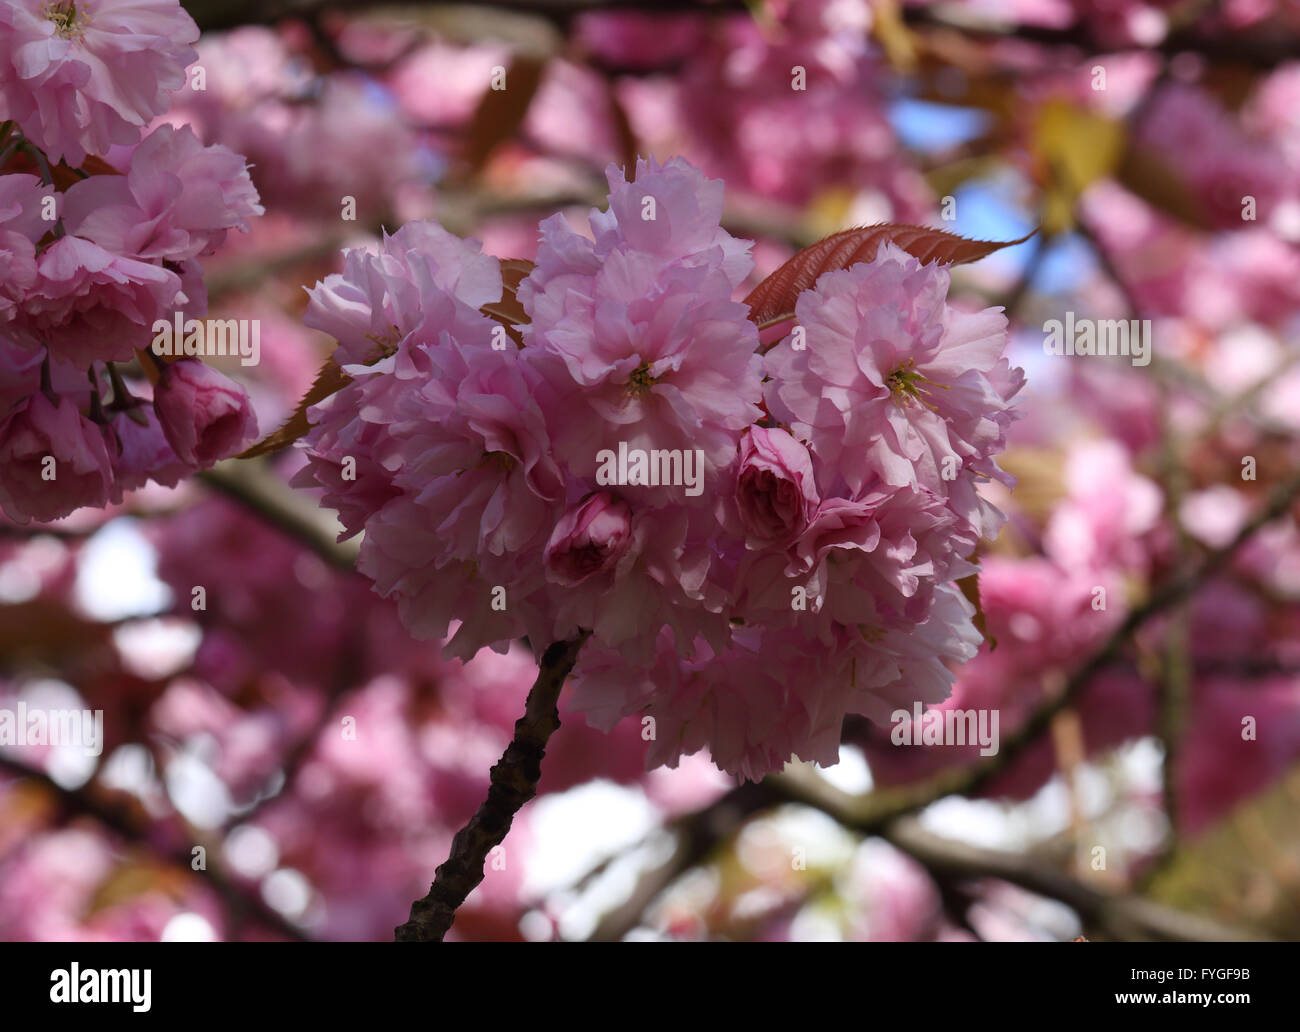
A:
(907, 385)
(640, 382)
(69, 23)
(503, 461)
(384, 345)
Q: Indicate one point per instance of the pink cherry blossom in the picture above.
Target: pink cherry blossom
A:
(635, 334)
(21, 226)
(52, 460)
(1219, 162)
(81, 77)
(20, 373)
(143, 453)
(89, 303)
(776, 492)
(204, 415)
(380, 298)
(893, 383)
(588, 539)
(176, 202)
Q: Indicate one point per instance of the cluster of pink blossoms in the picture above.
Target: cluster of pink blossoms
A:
(796, 559)
(88, 270)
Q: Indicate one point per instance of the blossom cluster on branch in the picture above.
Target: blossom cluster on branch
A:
(99, 246)
(795, 561)
(755, 493)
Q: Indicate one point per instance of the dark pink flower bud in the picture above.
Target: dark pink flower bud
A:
(775, 490)
(205, 416)
(589, 538)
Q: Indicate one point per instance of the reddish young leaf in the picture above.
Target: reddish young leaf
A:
(501, 112)
(329, 380)
(970, 587)
(61, 175)
(508, 311)
(94, 166)
(773, 299)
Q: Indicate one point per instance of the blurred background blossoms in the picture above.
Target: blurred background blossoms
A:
(283, 760)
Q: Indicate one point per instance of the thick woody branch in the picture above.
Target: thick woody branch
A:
(514, 782)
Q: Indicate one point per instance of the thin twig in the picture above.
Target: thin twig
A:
(118, 819)
(872, 811)
(1117, 916)
(257, 488)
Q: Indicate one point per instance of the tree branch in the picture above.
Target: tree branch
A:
(1118, 916)
(514, 782)
(870, 813)
(118, 819)
(227, 14)
(257, 488)
(1213, 43)
(697, 835)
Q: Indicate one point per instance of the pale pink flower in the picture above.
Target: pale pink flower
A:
(636, 334)
(417, 277)
(177, 200)
(142, 453)
(664, 577)
(683, 223)
(81, 76)
(835, 130)
(1274, 109)
(90, 304)
(1208, 150)
(893, 383)
(475, 471)
(738, 702)
(476, 457)
(21, 226)
(478, 490)
(20, 373)
(1108, 514)
(881, 554)
(17, 271)
(350, 452)
(776, 493)
(893, 667)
